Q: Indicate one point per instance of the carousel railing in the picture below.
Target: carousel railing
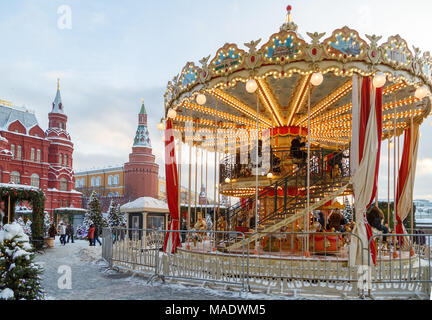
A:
(322, 176)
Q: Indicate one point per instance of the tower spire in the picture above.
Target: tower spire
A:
(57, 106)
(142, 137)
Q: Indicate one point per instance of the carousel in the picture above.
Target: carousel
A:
(293, 124)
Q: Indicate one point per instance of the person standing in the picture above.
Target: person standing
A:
(96, 236)
(70, 233)
(91, 234)
(62, 234)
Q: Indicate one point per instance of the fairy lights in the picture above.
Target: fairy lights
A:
(299, 97)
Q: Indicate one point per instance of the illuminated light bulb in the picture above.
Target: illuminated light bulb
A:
(227, 180)
(251, 86)
(379, 80)
(161, 126)
(172, 113)
(421, 92)
(317, 78)
(201, 99)
(163, 139)
(270, 175)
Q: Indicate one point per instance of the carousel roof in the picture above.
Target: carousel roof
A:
(282, 67)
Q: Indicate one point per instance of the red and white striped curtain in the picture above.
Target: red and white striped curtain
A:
(365, 158)
(405, 184)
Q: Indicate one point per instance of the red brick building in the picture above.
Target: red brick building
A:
(30, 156)
(141, 172)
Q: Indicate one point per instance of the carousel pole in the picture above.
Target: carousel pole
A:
(196, 181)
(179, 178)
(201, 179)
(394, 162)
(412, 174)
(206, 181)
(215, 176)
(388, 176)
(256, 167)
(190, 179)
(308, 172)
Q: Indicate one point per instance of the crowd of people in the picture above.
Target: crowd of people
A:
(66, 233)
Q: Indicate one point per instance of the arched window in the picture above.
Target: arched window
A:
(61, 158)
(32, 154)
(116, 194)
(63, 184)
(98, 181)
(77, 183)
(19, 151)
(38, 155)
(65, 162)
(82, 182)
(35, 180)
(15, 177)
(110, 180)
(116, 179)
(93, 181)
(110, 194)
(13, 151)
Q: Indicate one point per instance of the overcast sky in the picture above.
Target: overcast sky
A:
(118, 52)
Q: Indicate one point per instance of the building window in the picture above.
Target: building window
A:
(19, 150)
(61, 158)
(61, 125)
(65, 158)
(110, 194)
(35, 180)
(82, 182)
(93, 181)
(116, 194)
(15, 177)
(32, 154)
(38, 155)
(63, 184)
(116, 179)
(98, 181)
(13, 151)
(77, 183)
(110, 180)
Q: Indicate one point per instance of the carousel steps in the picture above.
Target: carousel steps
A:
(275, 227)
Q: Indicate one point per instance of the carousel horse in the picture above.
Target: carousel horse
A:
(200, 226)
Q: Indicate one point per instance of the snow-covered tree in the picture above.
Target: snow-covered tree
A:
(19, 275)
(25, 225)
(47, 223)
(115, 217)
(348, 213)
(94, 213)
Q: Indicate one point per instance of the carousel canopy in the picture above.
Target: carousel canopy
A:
(213, 95)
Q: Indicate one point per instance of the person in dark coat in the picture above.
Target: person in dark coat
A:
(70, 233)
(375, 217)
(296, 151)
(91, 234)
(183, 234)
(52, 232)
(96, 236)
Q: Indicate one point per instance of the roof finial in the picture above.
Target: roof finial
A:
(289, 25)
(288, 18)
(58, 83)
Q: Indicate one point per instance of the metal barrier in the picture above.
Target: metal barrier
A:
(403, 265)
(309, 263)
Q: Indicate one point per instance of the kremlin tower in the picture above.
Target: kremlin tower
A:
(141, 172)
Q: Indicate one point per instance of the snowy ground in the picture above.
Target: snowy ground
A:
(92, 280)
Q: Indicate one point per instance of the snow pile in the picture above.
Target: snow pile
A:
(91, 254)
(9, 231)
(6, 294)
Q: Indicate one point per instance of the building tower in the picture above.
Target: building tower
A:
(60, 174)
(141, 172)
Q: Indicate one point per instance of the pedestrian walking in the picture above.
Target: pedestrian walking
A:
(52, 232)
(91, 233)
(96, 236)
(62, 234)
(70, 233)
